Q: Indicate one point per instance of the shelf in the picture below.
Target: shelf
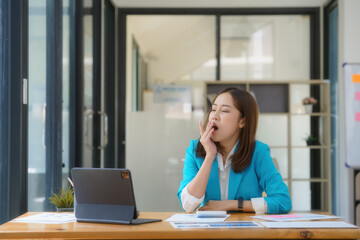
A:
(273, 113)
(316, 114)
(311, 147)
(295, 114)
(307, 179)
(285, 122)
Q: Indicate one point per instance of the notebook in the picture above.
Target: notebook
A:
(105, 195)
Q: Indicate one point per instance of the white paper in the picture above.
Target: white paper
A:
(211, 214)
(309, 224)
(294, 217)
(229, 224)
(48, 218)
(191, 218)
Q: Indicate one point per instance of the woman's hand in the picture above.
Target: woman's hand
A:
(226, 205)
(205, 139)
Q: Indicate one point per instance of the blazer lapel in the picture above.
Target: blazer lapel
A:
(213, 186)
(234, 182)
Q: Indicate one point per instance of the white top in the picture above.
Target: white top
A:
(190, 202)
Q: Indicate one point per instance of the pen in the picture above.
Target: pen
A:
(72, 184)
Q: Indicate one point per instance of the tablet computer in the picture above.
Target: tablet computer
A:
(105, 195)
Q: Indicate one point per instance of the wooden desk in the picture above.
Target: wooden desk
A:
(163, 230)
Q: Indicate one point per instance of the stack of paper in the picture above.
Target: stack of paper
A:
(293, 221)
(192, 218)
(48, 218)
(294, 217)
(309, 224)
(230, 224)
(208, 219)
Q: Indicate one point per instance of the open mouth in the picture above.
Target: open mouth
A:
(215, 128)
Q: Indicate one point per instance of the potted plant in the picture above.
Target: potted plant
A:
(64, 200)
(308, 103)
(311, 140)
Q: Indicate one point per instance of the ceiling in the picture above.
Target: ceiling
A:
(217, 3)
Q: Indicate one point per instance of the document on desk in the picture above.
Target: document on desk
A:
(192, 218)
(47, 218)
(294, 217)
(229, 224)
(309, 224)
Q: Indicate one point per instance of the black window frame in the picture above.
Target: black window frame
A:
(53, 124)
(110, 96)
(13, 108)
(334, 102)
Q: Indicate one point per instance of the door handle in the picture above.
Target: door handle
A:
(44, 126)
(89, 113)
(106, 129)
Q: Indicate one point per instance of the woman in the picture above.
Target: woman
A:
(227, 169)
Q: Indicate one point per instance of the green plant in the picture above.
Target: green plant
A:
(64, 199)
(311, 138)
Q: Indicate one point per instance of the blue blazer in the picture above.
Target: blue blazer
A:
(261, 175)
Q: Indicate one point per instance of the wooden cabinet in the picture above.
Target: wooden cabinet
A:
(284, 124)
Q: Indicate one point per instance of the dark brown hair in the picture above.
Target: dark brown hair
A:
(246, 104)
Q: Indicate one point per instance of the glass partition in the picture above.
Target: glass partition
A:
(66, 92)
(37, 101)
(174, 56)
(274, 47)
(37, 105)
(88, 87)
(173, 73)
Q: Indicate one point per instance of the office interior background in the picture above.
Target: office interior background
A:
(100, 83)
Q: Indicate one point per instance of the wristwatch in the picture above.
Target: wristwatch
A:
(240, 204)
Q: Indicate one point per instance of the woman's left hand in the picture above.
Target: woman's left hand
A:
(212, 205)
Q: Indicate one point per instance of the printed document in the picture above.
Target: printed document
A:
(48, 218)
(310, 224)
(294, 217)
(230, 224)
(191, 218)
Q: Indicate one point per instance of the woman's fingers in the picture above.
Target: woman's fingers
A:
(208, 136)
(209, 128)
(202, 128)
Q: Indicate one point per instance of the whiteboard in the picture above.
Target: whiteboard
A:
(352, 114)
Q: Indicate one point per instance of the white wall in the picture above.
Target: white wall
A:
(349, 52)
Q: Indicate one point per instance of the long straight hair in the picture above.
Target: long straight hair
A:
(247, 106)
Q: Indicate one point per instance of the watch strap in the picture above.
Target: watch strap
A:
(240, 203)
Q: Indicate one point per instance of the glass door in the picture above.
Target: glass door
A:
(37, 105)
(99, 86)
(97, 94)
(38, 67)
(88, 108)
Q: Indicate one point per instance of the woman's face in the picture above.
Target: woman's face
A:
(226, 119)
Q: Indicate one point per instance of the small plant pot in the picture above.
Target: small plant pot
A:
(308, 108)
(311, 142)
(65, 209)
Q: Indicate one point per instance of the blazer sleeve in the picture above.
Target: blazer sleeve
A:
(278, 198)
(190, 167)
